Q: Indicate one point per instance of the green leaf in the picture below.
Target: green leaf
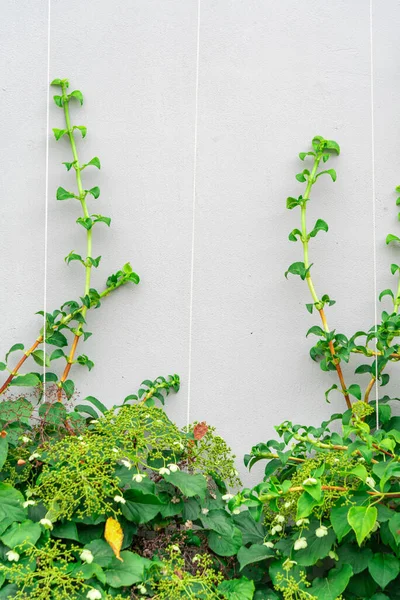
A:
(320, 225)
(316, 330)
(394, 526)
(58, 133)
(101, 219)
(302, 176)
(53, 414)
(394, 268)
(3, 451)
(253, 532)
(102, 552)
(67, 531)
(68, 165)
(305, 505)
(189, 485)
(99, 405)
(332, 146)
(78, 95)
(89, 410)
(293, 234)
(384, 568)
(310, 308)
(330, 172)
(11, 501)
(57, 354)
(58, 101)
(392, 238)
(94, 191)
(363, 369)
(14, 348)
(225, 544)
(298, 268)
(339, 521)
(82, 129)
(362, 520)
(59, 82)
(358, 558)
(255, 553)
(355, 390)
(317, 548)
(8, 592)
(128, 571)
(41, 358)
(68, 387)
(95, 162)
(293, 202)
(329, 588)
(28, 380)
(63, 194)
(359, 471)
(57, 339)
(21, 534)
(140, 507)
(237, 589)
(86, 222)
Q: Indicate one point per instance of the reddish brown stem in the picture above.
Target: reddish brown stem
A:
(19, 365)
(68, 366)
(369, 388)
(335, 361)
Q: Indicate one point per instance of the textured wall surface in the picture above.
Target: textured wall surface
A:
(214, 306)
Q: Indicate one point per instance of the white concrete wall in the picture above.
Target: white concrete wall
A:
(272, 73)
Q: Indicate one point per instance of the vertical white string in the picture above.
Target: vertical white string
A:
(374, 199)
(196, 119)
(46, 204)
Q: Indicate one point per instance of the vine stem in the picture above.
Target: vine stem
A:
(317, 301)
(39, 340)
(14, 372)
(339, 488)
(88, 264)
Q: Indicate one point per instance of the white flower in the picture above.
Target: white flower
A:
(142, 589)
(276, 529)
(333, 555)
(175, 548)
(375, 527)
(195, 558)
(300, 544)
(86, 556)
(47, 524)
(280, 518)
(227, 497)
(188, 524)
(205, 511)
(119, 499)
(25, 439)
(370, 481)
(28, 503)
(288, 504)
(173, 468)
(180, 446)
(94, 594)
(126, 464)
(138, 477)
(93, 421)
(236, 511)
(12, 556)
(361, 459)
(116, 450)
(268, 544)
(33, 456)
(80, 437)
(301, 522)
(321, 531)
(175, 500)
(164, 471)
(310, 481)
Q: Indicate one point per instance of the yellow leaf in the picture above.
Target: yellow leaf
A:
(114, 535)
